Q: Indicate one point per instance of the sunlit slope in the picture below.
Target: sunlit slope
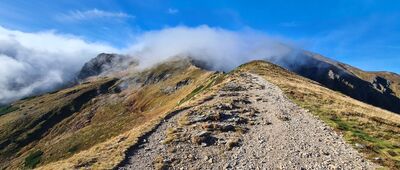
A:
(56, 126)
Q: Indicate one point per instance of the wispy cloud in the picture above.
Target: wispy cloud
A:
(93, 14)
(172, 11)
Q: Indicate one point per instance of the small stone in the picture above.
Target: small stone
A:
(359, 146)
(206, 158)
(332, 166)
(227, 166)
(203, 138)
(377, 159)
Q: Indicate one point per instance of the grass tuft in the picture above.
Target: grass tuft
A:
(33, 159)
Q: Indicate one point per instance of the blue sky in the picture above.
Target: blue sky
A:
(364, 33)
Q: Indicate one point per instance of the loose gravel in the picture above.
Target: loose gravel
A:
(248, 124)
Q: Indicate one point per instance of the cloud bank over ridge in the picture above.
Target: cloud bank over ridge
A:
(221, 49)
(33, 63)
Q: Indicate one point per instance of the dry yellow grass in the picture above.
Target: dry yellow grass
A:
(108, 154)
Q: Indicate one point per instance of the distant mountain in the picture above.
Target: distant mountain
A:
(381, 89)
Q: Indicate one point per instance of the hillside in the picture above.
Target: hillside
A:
(57, 125)
(380, 89)
(121, 116)
(381, 80)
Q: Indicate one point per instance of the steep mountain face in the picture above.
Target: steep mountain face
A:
(380, 89)
(382, 81)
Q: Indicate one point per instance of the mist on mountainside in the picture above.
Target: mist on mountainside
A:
(221, 49)
(30, 68)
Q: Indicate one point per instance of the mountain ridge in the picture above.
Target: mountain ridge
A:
(140, 100)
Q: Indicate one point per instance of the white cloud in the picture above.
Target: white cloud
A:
(172, 11)
(37, 62)
(93, 14)
(221, 49)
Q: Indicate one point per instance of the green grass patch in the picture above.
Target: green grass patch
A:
(33, 159)
(73, 148)
(215, 79)
(7, 109)
(192, 94)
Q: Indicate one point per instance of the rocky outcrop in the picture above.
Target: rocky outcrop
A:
(382, 85)
(179, 85)
(105, 63)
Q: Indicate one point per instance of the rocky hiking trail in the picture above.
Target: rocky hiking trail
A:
(248, 124)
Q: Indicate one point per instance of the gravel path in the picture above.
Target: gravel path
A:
(248, 124)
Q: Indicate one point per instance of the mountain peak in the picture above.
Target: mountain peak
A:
(105, 63)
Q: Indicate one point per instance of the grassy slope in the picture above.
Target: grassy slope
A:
(108, 154)
(372, 131)
(110, 122)
(21, 127)
(375, 129)
(99, 134)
